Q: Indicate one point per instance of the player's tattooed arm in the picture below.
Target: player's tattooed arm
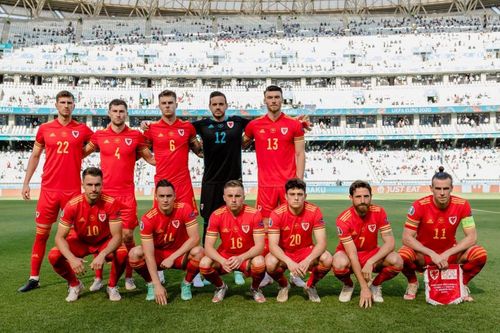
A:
(196, 147)
(148, 156)
(88, 149)
(245, 142)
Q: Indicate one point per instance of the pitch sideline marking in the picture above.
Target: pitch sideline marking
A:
(486, 211)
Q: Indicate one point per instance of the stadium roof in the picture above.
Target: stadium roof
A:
(148, 8)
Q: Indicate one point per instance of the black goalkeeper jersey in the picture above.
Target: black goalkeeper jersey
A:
(221, 148)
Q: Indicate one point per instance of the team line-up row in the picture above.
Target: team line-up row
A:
(91, 224)
(282, 213)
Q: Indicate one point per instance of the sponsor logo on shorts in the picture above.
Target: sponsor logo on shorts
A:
(270, 221)
(305, 225)
(339, 231)
(230, 124)
(284, 130)
(62, 213)
(411, 210)
(141, 225)
(245, 228)
(181, 132)
(75, 134)
(176, 223)
(102, 217)
(128, 141)
(372, 227)
(452, 220)
(37, 214)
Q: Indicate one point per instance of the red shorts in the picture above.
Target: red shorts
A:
(427, 260)
(299, 254)
(50, 203)
(268, 198)
(451, 260)
(363, 256)
(179, 263)
(244, 267)
(81, 249)
(128, 211)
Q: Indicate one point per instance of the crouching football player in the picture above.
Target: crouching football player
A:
(429, 235)
(241, 230)
(358, 252)
(291, 230)
(90, 224)
(169, 235)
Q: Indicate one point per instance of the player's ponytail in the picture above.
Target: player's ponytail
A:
(441, 175)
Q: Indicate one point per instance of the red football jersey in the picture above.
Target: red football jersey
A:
(168, 232)
(91, 223)
(295, 230)
(118, 152)
(236, 233)
(436, 228)
(63, 154)
(171, 149)
(363, 231)
(275, 148)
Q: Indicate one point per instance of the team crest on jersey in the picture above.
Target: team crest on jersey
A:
(372, 227)
(37, 214)
(411, 210)
(175, 223)
(284, 130)
(75, 134)
(181, 132)
(128, 141)
(339, 231)
(245, 228)
(305, 225)
(230, 124)
(452, 220)
(102, 217)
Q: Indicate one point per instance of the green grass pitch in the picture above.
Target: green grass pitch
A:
(45, 310)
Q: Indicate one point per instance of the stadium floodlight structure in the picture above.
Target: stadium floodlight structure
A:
(152, 8)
